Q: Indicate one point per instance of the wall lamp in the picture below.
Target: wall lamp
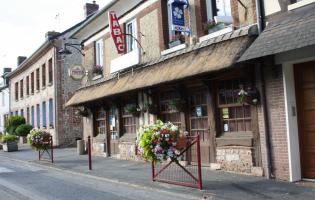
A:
(66, 51)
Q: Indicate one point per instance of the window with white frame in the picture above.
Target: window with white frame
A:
(175, 37)
(99, 52)
(219, 10)
(131, 35)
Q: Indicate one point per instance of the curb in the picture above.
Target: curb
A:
(116, 181)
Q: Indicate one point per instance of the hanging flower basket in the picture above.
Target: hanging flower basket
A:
(133, 109)
(177, 105)
(151, 108)
(38, 139)
(158, 142)
(82, 112)
(249, 96)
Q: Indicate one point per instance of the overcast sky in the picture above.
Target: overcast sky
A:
(24, 24)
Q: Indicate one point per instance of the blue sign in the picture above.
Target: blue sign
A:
(178, 14)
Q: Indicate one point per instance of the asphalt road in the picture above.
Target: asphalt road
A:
(24, 181)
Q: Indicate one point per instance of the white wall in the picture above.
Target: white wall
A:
(4, 107)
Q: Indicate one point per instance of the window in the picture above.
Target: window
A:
(38, 115)
(44, 114)
(32, 116)
(11, 113)
(50, 72)
(167, 112)
(21, 89)
(131, 34)
(16, 91)
(44, 75)
(22, 112)
(99, 52)
(220, 10)
(28, 115)
(37, 80)
(27, 85)
(16, 113)
(129, 121)
(51, 113)
(113, 122)
(235, 117)
(100, 122)
(32, 83)
(3, 98)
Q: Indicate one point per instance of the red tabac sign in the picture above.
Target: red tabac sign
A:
(116, 32)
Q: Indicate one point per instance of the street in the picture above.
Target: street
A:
(27, 181)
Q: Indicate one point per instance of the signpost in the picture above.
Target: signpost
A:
(77, 72)
(116, 32)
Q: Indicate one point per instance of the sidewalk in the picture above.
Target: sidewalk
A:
(219, 184)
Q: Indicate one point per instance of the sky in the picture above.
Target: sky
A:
(23, 24)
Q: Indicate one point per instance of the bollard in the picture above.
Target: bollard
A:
(52, 149)
(89, 152)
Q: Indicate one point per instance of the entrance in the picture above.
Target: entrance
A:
(305, 95)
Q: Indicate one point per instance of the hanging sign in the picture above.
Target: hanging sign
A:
(177, 14)
(77, 72)
(116, 32)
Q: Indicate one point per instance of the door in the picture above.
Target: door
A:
(305, 93)
(113, 135)
(199, 125)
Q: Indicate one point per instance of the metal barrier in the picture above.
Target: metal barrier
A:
(47, 144)
(181, 171)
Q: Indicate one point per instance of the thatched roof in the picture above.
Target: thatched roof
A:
(211, 55)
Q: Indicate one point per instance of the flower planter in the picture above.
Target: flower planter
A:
(10, 146)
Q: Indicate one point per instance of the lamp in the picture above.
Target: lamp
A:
(66, 51)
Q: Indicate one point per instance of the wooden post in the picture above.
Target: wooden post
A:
(89, 152)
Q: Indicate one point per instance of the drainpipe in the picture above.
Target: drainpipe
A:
(260, 15)
(266, 120)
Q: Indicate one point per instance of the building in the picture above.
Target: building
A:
(41, 85)
(286, 49)
(186, 73)
(4, 95)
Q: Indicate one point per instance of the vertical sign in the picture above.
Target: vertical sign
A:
(177, 14)
(116, 32)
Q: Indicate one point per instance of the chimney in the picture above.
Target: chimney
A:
(90, 8)
(7, 70)
(20, 59)
(50, 34)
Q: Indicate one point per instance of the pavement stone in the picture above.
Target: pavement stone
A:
(217, 184)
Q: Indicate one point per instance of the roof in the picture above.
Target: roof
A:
(208, 56)
(295, 29)
(45, 45)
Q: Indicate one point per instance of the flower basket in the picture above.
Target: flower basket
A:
(157, 142)
(177, 105)
(82, 112)
(151, 108)
(249, 96)
(39, 139)
(134, 110)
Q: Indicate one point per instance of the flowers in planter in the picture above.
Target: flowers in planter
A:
(133, 109)
(250, 96)
(157, 142)
(151, 108)
(82, 112)
(177, 104)
(97, 69)
(38, 139)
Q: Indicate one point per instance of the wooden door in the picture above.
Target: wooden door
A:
(199, 125)
(113, 131)
(305, 93)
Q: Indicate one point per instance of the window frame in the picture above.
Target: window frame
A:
(44, 121)
(32, 83)
(38, 115)
(37, 79)
(50, 72)
(51, 112)
(27, 85)
(16, 91)
(99, 52)
(21, 88)
(44, 75)
(130, 40)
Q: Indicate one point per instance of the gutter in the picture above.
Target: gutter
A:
(261, 26)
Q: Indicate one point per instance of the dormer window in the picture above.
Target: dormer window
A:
(131, 35)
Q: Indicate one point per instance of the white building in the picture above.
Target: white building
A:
(4, 98)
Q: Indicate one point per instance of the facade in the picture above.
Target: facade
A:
(41, 85)
(4, 95)
(190, 79)
(286, 50)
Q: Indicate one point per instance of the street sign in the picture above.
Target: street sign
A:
(77, 72)
(116, 32)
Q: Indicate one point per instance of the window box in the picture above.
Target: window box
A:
(97, 76)
(50, 84)
(125, 61)
(173, 49)
(216, 33)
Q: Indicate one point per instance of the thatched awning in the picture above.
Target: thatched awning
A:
(205, 57)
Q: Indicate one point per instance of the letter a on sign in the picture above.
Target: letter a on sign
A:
(116, 32)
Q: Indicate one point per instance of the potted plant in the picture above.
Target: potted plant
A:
(133, 109)
(250, 96)
(9, 143)
(213, 26)
(97, 71)
(151, 108)
(82, 112)
(38, 139)
(22, 131)
(177, 105)
(157, 142)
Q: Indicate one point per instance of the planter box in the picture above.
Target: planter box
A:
(10, 146)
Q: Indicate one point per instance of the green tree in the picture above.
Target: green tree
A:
(12, 123)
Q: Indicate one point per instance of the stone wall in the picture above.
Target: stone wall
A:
(235, 158)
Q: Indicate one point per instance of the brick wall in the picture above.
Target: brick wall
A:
(276, 110)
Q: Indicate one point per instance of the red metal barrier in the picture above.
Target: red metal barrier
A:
(89, 153)
(178, 173)
(47, 145)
